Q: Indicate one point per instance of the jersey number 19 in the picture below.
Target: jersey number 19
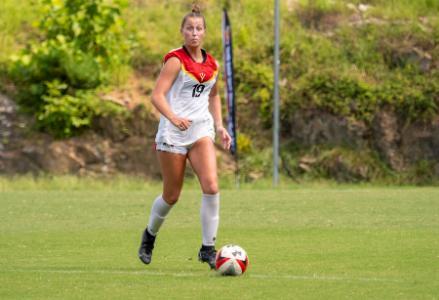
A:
(198, 89)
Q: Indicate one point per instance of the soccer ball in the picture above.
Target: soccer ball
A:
(231, 260)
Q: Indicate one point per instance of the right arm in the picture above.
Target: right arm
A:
(164, 83)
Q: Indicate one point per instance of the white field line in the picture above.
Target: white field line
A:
(314, 277)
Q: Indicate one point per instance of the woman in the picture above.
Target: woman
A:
(186, 94)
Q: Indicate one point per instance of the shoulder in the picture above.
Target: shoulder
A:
(178, 53)
(172, 61)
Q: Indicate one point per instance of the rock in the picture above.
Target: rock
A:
(421, 58)
(7, 112)
(89, 154)
(403, 146)
(316, 127)
(308, 160)
(363, 7)
(342, 169)
(12, 163)
(91, 148)
(112, 128)
(420, 141)
(255, 175)
(386, 138)
(136, 156)
(97, 170)
(306, 163)
(141, 122)
(400, 57)
(304, 167)
(34, 152)
(61, 158)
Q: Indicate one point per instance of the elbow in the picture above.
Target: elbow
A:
(155, 98)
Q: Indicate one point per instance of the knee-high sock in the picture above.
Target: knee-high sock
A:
(159, 211)
(209, 218)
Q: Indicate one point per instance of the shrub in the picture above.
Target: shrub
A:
(64, 115)
(256, 82)
(82, 41)
(244, 144)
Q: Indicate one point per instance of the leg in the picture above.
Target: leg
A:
(203, 160)
(172, 167)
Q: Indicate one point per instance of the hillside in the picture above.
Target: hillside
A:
(359, 88)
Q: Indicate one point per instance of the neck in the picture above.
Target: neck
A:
(195, 52)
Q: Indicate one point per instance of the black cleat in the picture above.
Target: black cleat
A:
(207, 254)
(145, 250)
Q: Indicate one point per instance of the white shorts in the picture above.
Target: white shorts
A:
(171, 139)
(173, 149)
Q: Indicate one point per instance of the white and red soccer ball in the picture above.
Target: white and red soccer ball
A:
(231, 260)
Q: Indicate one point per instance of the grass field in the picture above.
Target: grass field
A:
(304, 242)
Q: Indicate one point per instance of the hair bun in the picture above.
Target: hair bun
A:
(196, 9)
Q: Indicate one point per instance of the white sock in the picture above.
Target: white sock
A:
(209, 218)
(159, 211)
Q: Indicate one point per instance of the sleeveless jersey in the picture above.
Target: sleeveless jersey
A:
(188, 97)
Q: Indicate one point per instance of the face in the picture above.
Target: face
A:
(193, 31)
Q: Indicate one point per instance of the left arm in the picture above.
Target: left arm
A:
(215, 110)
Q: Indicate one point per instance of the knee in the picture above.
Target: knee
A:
(171, 197)
(210, 187)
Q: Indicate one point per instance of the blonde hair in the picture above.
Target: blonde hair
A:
(195, 13)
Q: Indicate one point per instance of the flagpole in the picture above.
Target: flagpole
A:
(276, 96)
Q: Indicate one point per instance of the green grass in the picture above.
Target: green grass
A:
(73, 239)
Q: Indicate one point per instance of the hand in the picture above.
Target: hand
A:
(226, 140)
(181, 123)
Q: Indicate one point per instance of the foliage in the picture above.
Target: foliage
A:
(63, 115)
(82, 42)
(256, 164)
(421, 173)
(355, 71)
(334, 56)
(244, 144)
(256, 80)
(412, 99)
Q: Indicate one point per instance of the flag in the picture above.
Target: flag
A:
(229, 80)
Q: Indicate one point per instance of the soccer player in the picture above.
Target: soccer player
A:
(186, 95)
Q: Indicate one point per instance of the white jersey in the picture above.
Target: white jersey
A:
(188, 98)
